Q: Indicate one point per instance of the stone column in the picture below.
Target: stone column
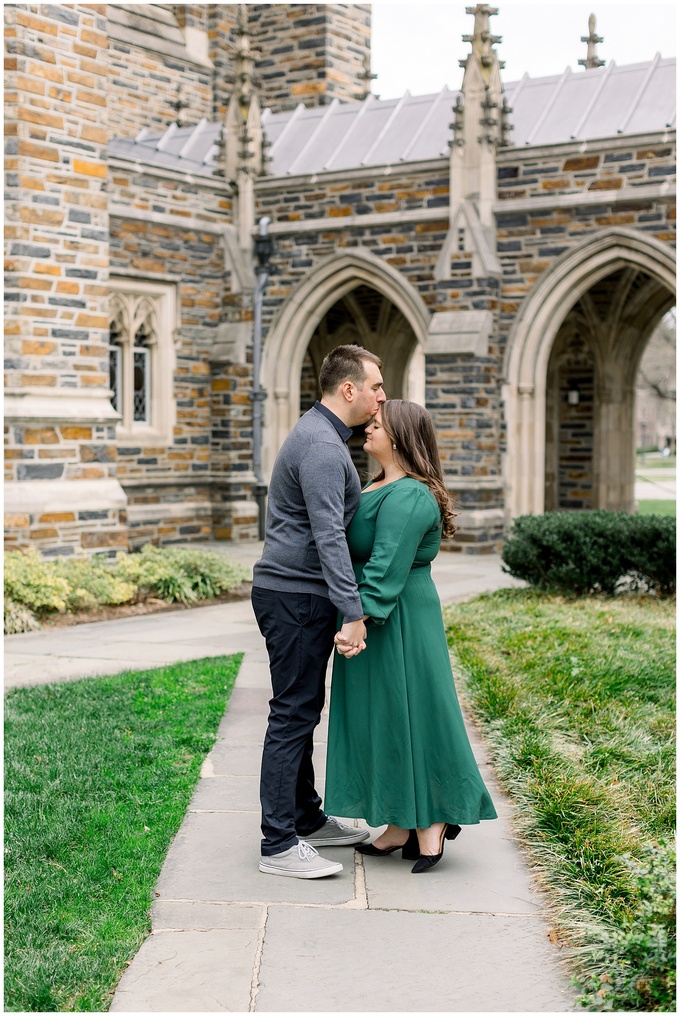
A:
(62, 494)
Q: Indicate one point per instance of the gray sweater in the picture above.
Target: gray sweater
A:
(313, 494)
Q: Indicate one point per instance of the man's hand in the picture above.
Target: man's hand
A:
(351, 639)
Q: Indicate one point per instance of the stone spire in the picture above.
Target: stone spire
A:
(480, 125)
(482, 40)
(591, 59)
(244, 155)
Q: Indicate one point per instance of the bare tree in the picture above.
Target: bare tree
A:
(657, 369)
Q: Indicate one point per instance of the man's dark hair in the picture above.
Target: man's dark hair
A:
(345, 363)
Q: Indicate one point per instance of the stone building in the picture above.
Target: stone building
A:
(507, 248)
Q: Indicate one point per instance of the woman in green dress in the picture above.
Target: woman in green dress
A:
(398, 751)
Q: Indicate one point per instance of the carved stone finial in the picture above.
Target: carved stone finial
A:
(506, 126)
(221, 150)
(482, 39)
(487, 121)
(457, 124)
(367, 76)
(178, 105)
(266, 157)
(591, 59)
(244, 58)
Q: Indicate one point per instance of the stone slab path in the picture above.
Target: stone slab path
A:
(655, 483)
(470, 936)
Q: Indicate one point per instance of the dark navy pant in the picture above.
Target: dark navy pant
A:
(298, 629)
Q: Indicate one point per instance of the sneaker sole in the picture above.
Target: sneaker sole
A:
(332, 869)
(336, 841)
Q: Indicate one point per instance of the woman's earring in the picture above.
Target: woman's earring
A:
(395, 447)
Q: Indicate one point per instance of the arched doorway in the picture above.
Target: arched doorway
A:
(354, 297)
(367, 317)
(571, 369)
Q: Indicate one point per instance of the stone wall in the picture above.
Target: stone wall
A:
(171, 229)
(310, 53)
(61, 452)
(152, 64)
(176, 471)
(556, 197)
(231, 441)
(221, 25)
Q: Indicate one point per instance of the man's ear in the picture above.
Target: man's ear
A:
(347, 390)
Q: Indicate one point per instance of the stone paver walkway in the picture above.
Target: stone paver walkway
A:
(655, 484)
(471, 936)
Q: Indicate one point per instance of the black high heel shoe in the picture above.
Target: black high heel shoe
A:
(427, 861)
(409, 850)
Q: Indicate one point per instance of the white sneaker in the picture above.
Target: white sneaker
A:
(299, 861)
(335, 833)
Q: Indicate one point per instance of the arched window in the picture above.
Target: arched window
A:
(141, 358)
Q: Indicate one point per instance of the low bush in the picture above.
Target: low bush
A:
(34, 583)
(92, 581)
(34, 587)
(632, 967)
(19, 618)
(576, 553)
(180, 573)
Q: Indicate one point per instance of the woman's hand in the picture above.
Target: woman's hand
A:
(345, 649)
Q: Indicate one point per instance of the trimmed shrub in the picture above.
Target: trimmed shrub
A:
(651, 552)
(576, 553)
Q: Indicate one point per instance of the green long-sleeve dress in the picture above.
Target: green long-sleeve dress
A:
(398, 750)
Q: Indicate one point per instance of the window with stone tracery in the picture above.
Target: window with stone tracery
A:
(141, 358)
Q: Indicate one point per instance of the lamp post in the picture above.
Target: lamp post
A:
(264, 247)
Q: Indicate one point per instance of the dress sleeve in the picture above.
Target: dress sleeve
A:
(403, 519)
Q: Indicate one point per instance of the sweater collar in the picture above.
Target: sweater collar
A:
(343, 430)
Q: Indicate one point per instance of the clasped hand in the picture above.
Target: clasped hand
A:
(351, 639)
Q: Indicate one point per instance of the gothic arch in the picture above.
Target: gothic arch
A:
(294, 325)
(531, 341)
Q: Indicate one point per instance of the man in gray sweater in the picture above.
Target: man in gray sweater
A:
(304, 578)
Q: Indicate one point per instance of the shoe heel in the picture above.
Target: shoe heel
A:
(411, 849)
(452, 831)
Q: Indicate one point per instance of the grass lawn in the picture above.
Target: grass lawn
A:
(576, 699)
(655, 462)
(656, 508)
(98, 776)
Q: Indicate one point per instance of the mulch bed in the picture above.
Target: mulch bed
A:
(150, 606)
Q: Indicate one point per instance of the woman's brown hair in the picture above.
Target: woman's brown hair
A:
(410, 428)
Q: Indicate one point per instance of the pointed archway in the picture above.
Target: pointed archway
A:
(340, 279)
(636, 275)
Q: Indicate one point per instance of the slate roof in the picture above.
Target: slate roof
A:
(576, 105)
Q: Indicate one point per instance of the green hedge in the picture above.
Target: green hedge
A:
(35, 587)
(592, 552)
